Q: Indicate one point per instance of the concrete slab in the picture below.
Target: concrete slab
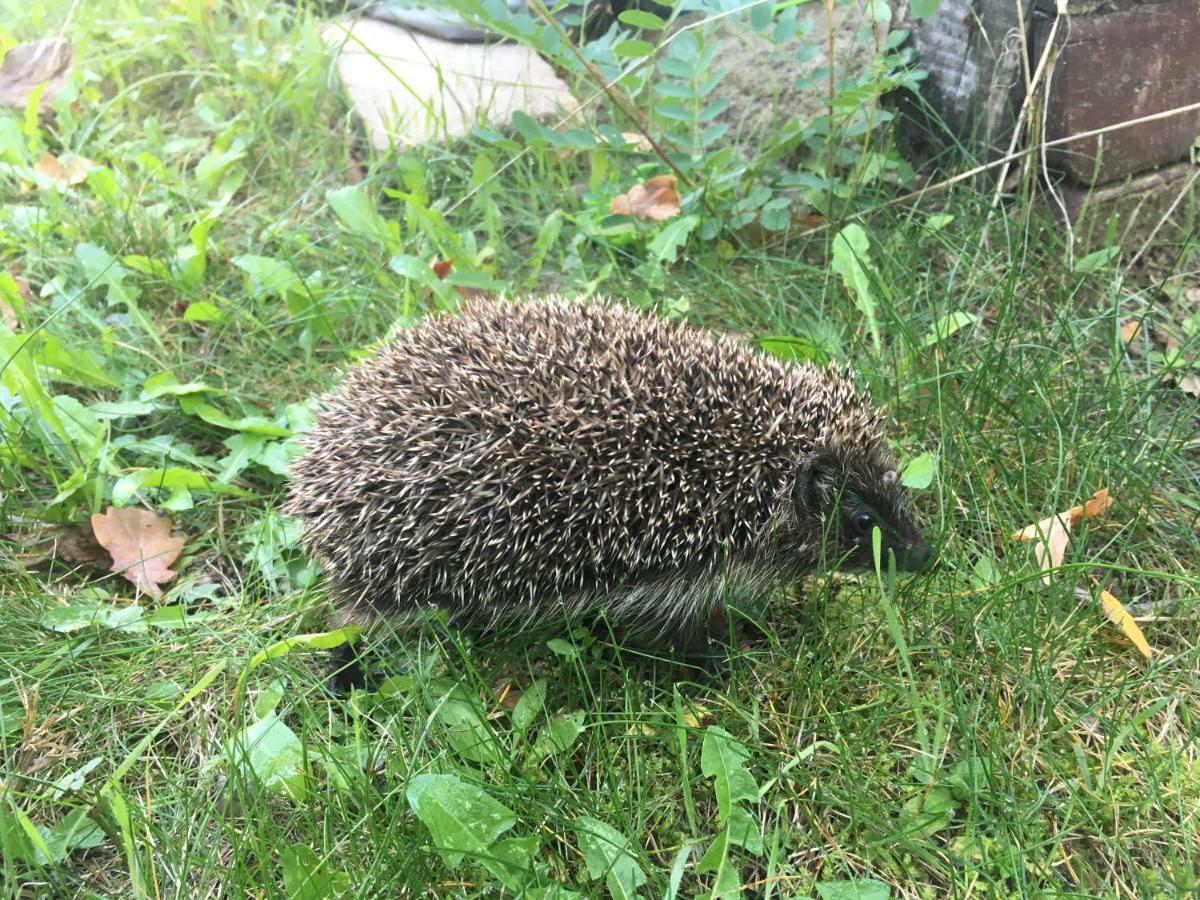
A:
(413, 88)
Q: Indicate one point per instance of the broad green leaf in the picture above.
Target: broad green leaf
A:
(166, 384)
(1095, 262)
(267, 276)
(74, 831)
(268, 699)
(851, 260)
(743, 830)
(462, 818)
(760, 15)
(938, 221)
(727, 882)
(930, 811)
(270, 751)
(985, 572)
(84, 613)
(794, 349)
(776, 214)
(530, 705)
(633, 49)
(666, 244)
(260, 425)
(948, 325)
(922, 9)
(465, 724)
(179, 481)
(857, 889)
(723, 758)
(607, 855)
(324, 640)
(560, 734)
(636, 18)
(512, 860)
(120, 409)
(305, 877)
(357, 213)
(563, 648)
(918, 472)
(203, 311)
(76, 363)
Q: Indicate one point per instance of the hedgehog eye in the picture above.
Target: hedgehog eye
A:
(863, 522)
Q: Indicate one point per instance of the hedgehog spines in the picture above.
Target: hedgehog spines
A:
(523, 457)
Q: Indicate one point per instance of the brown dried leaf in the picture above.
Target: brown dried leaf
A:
(26, 66)
(657, 199)
(1099, 503)
(1130, 330)
(811, 222)
(73, 171)
(74, 545)
(1166, 339)
(1190, 385)
(141, 546)
(1119, 616)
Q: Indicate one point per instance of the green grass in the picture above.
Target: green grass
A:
(970, 733)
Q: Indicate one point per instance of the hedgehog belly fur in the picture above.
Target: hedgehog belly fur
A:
(521, 458)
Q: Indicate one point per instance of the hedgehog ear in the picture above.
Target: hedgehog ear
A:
(813, 477)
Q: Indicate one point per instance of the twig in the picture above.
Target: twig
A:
(1163, 221)
(614, 94)
(1030, 90)
(1057, 142)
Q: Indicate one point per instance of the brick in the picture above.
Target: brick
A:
(1119, 66)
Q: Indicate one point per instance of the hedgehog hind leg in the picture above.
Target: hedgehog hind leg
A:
(362, 609)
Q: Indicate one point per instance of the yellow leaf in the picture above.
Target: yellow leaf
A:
(1119, 616)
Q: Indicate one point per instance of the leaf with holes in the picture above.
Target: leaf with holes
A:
(141, 546)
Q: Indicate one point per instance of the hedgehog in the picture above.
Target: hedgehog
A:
(524, 459)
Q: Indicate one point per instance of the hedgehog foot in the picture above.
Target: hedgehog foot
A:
(346, 670)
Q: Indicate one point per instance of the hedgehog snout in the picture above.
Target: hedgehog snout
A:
(915, 557)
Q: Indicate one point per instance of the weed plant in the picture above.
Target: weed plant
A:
(973, 732)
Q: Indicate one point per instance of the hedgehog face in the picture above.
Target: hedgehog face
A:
(850, 499)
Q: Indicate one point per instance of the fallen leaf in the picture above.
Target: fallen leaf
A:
(1119, 616)
(73, 171)
(1165, 339)
(1130, 330)
(74, 545)
(26, 66)
(1190, 384)
(140, 544)
(1099, 503)
(1053, 532)
(1051, 548)
(657, 199)
(441, 267)
(811, 222)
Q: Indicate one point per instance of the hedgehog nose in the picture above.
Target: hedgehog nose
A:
(917, 557)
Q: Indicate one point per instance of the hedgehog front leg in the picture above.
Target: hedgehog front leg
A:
(706, 644)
